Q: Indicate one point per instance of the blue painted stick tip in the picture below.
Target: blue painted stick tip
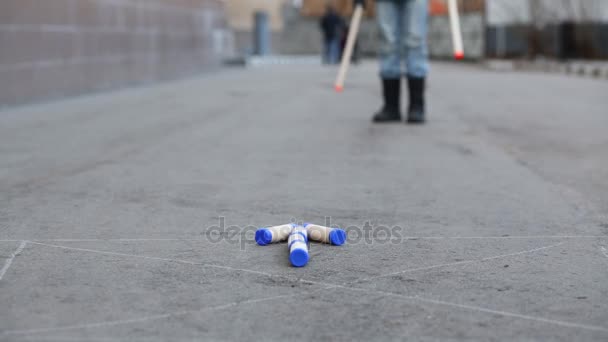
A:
(263, 236)
(337, 237)
(298, 257)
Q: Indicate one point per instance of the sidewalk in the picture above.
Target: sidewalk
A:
(110, 205)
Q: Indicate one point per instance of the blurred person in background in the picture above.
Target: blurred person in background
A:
(355, 54)
(331, 26)
(403, 27)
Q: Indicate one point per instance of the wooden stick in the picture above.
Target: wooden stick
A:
(348, 50)
(455, 28)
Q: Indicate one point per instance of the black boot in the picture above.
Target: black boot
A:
(415, 111)
(391, 89)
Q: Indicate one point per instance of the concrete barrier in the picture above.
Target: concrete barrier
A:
(65, 47)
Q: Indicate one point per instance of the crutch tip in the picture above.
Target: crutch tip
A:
(338, 88)
(459, 55)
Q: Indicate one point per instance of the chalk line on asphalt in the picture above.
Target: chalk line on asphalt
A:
(532, 237)
(485, 310)
(188, 262)
(464, 262)
(471, 307)
(9, 261)
(69, 338)
(500, 237)
(327, 286)
(141, 319)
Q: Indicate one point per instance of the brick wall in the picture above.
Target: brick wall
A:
(57, 48)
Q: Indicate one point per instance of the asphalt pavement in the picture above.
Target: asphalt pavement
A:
(128, 216)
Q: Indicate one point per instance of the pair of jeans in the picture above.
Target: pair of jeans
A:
(403, 26)
(331, 51)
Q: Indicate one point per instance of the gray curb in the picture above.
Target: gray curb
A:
(591, 69)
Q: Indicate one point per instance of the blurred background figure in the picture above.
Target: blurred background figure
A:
(59, 49)
(355, 56)
(331, 26)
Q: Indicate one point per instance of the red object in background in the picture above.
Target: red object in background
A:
(459, 55)
(438, 7)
